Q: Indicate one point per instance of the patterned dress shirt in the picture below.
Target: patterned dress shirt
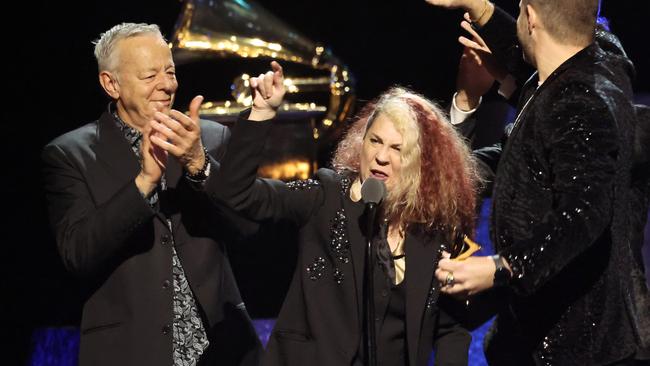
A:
(189, 336)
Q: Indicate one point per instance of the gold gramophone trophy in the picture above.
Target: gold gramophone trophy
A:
(320, 89)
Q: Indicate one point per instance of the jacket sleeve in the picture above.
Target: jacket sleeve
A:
(584, 151)
(467, 128)
(228, 225)
(88, 235)
(486, 157)
(500, 34)
(235, 183)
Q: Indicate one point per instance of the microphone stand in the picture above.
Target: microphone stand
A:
(369, 289)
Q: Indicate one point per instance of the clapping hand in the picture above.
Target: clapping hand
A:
(179, 134)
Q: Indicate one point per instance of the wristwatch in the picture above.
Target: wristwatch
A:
(201, 175)
(501, 274)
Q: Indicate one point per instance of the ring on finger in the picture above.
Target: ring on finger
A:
(449, 281)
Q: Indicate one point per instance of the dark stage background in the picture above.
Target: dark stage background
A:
(47, 55)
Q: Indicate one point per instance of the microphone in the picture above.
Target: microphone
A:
(372, 193)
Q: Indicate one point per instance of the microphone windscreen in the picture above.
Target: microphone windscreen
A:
(373, 190)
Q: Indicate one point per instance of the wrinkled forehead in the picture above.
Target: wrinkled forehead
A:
(143, 49)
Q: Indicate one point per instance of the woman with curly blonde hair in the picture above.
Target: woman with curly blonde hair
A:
(435, 162)
(406, 141)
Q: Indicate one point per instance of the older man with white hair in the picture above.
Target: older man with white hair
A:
(129, 203)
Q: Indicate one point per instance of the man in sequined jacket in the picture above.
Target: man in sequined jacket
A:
(574, 293)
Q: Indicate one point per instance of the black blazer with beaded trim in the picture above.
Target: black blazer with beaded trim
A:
(320, 320)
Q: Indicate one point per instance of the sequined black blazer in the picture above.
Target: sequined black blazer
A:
(561, 214)
(320, 320)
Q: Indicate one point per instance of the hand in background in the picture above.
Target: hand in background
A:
(477, 70)
(268, 92)
(473, 80)
(453, 4)
(480, 10)
(481, 52)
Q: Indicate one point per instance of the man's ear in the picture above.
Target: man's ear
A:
(532, 18)
(109, 83)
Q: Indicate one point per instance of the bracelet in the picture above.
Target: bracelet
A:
(485, 7)
(202, 174)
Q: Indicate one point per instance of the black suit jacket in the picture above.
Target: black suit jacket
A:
(562, 214)
(320, 321)
(120, 247)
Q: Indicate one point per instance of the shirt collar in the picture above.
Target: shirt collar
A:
(132, 135)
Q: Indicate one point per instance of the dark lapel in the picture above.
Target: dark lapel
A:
(421, 258)
(357, 252)
(122, 164)
(173, 175)
(114, 151)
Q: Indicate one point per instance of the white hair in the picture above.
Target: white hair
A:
(105, 45)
